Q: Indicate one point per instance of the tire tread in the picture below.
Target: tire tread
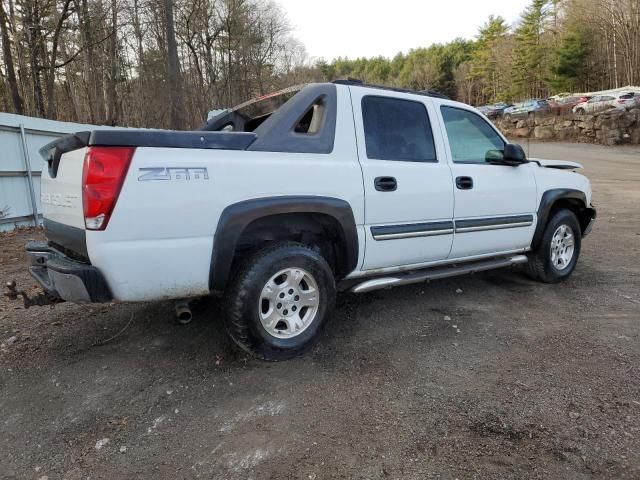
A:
(238, 293)
(537, 267)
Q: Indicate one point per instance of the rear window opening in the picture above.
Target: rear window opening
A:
(313, 119)
(248, 116)
(300, 119)
(254, 123)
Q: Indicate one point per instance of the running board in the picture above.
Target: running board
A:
(436, 273)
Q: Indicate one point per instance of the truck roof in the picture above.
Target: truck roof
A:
(359, 83)
(249, 115)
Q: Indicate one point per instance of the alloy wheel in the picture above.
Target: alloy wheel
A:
(562, 247)
(289, 302)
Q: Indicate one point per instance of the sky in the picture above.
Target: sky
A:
(361, 28)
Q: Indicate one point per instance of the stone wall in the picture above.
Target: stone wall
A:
(611, 127)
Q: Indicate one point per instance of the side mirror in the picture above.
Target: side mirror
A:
(514, 155)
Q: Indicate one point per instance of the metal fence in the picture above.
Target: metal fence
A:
(21, 165)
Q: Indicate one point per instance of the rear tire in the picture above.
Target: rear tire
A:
(278, 301)
(555, 258)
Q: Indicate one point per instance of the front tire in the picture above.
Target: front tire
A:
(279, 300)
(557, 255)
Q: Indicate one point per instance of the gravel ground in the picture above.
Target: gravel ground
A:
(487, 376)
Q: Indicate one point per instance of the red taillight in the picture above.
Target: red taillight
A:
(102, 178)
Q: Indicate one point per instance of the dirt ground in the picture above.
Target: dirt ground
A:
(489, 376)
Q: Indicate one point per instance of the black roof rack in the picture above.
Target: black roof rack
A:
(360, 83)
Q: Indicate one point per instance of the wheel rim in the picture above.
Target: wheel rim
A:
(562, 247)
(289, 303)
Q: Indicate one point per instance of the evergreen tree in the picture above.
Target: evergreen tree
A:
(530, 51)
(487, 64)
(571, 68)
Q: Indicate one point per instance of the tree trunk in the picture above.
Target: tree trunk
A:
(32, 20)
(112, 97)
(8, 62)
(51, 71)
(93, 70)
(176, 104)
(141, 93)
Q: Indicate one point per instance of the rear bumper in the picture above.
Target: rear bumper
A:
(65, 278)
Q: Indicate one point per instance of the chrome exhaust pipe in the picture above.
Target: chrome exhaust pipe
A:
(183, 312)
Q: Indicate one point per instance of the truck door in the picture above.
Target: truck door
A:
(407, 181)
(495, 205)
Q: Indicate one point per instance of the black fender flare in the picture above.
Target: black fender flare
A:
(236, 217)
(549, 198)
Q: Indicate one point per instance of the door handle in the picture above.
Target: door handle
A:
(464, 183)
(385, 184)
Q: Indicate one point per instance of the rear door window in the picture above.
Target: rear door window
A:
(397, 129)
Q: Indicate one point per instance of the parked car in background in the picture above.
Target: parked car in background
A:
(526, 109)
(562, 106)
(599, 103)
(496, 110)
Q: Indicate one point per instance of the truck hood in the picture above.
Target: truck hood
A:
(559, 164)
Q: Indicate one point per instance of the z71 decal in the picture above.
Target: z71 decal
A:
(173, 173)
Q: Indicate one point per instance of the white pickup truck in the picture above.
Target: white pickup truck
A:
(284, 200)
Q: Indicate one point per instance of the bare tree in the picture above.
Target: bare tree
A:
(112, 77)
(176, 102)
(8, 60)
